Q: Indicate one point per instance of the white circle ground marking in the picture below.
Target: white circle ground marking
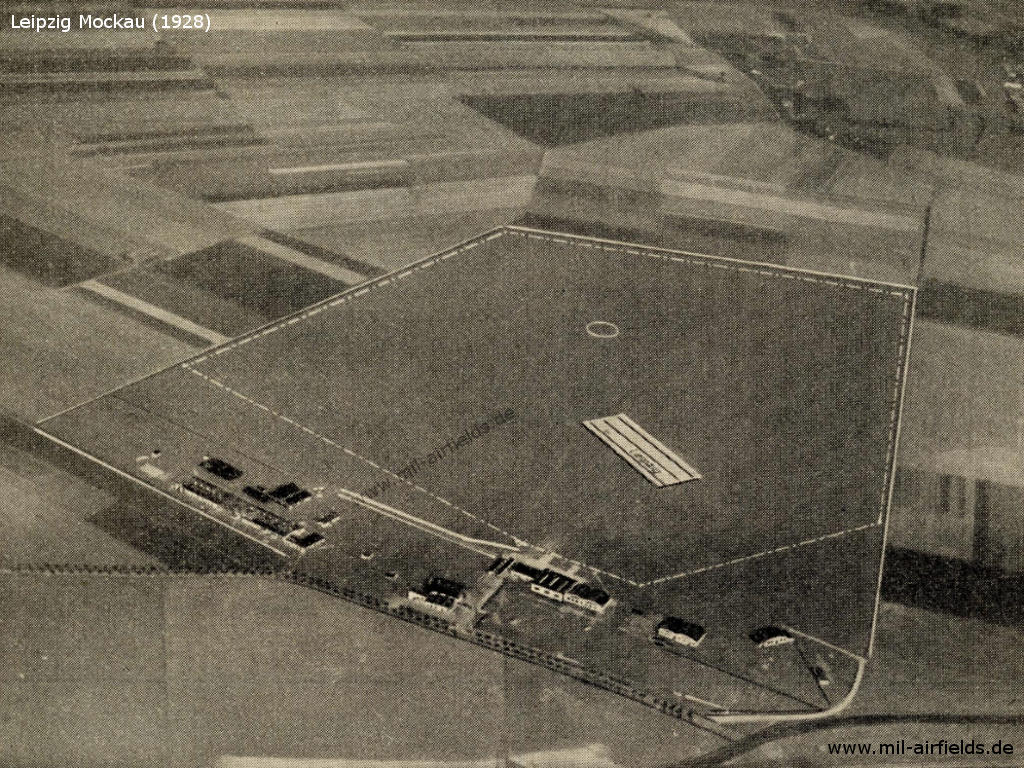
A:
(601, 329)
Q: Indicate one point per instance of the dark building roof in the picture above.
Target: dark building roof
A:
(555, 581)
(257, 492)
(329, 516)
(694, 631)
(526, 570)
(207, 490)
(586, 591)
(762, 634)
(298, 498)
(499, 565)
(285, 490)
(436, 598)
(279, 525)
(441, 586)
(306, 538)
(220, 468)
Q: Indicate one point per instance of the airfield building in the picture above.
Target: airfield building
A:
(500, 565)
(220, 468)
(205, 490)
(678, 631)
(328, 518)
(305, 539)
(523, 572)
(553, 585)
(438, 592)
(588, 596)
(769, 637)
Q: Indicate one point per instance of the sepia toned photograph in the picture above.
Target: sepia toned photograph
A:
(491, 384)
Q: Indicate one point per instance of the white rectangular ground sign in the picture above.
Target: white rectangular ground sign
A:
(645, 453)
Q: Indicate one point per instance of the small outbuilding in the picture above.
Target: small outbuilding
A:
(679, 631)
(770, 636)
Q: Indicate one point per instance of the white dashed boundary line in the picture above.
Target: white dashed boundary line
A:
(348, 452)
(908, 293)
(265, 329)
(718, 262)
(610, 246)
(895, 414)
(610, 575)
(758, 555)
(345, 297)
(894, 446)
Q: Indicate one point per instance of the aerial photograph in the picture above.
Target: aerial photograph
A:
(492, 384)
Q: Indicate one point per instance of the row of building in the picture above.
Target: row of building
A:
(555, 585)
(691, 635)
(249, 510)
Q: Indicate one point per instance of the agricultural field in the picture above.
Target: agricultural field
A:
(557, 119)
(48, 259)
(923, 663)
(62, 349)
(756, 190)
(393, 243)
(205, 308)
(211, 666)
(362, 299)
(258, 282)
(45, 509)
(963, 382)
(231, 288)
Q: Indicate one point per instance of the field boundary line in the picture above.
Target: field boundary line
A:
(348, 451)
(894, 448)
(690, 257)
(343, 297)
(896, 412)
(147, 486)
(153, 312)
(759, 555)
(619, 248)
(303, 260)
(204, 353)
